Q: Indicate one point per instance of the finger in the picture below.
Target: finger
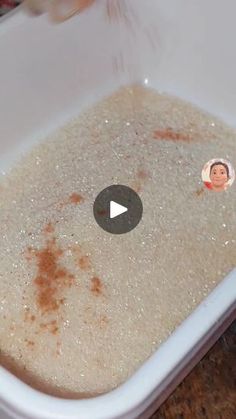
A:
(36, 6)
(61, 10)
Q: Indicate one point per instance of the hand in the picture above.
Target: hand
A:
(58, 10)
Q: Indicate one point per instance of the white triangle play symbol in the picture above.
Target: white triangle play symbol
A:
(116, 209)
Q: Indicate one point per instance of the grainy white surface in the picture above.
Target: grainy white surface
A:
(149, 279)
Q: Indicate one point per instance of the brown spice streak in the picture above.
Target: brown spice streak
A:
(103, 321)
(84, 263)
(75, 198)
(82, 260)
(96, 286)
(30, 343)
(200, 191)
(28, 253)
(170, 135)
(142, 174)
(51, 278)
(49, 228)
(51, 327)
(140, 180)
(27, 315)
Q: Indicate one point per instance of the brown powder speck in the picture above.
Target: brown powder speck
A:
(170, 135)
(75, 198)
(92, 318)
(96, 286)
(27, 315)
(84, 263)
(49, 228)
(51, 327)
(200, 191)
(28, 253)
(142, 174)
(103, 321)
(55, 330)
(76, 249)
(30, 343)
(62, 300)
(51, 279)
(137, 186)
(82, 259)
(140, 180)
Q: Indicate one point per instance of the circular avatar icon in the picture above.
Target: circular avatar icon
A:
(218, 175)
(118, 209)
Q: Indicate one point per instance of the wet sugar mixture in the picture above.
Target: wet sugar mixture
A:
(81, 309)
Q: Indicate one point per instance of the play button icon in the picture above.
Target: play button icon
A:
(118, 209)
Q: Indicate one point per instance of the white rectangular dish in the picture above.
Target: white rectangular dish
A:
(48, 74)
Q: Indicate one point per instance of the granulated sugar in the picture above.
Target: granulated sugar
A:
(80, 308)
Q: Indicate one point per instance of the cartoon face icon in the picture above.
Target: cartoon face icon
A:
(219, 175)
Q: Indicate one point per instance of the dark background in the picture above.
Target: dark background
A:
(209, 391)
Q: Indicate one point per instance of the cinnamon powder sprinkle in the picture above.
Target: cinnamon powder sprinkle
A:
(142, 174)
(51, 327)
(75, 198)
(84, 263)
(28, 317)
(51, 278)
(82, 260)
(200, 191)
(140, 180)
(29, 343)
(170, 135)
(96, 286)
(49, 228)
